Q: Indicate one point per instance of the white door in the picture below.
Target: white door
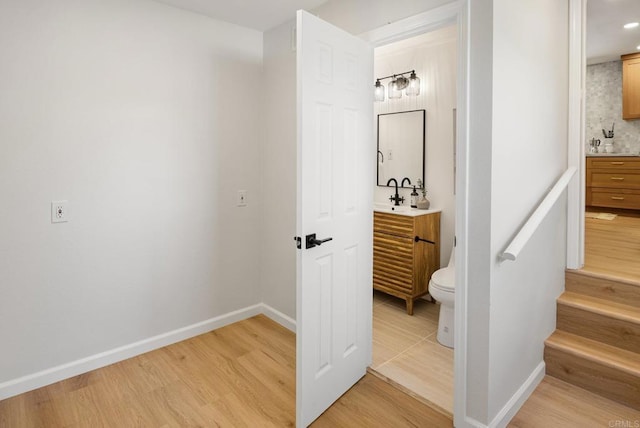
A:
(335, 197)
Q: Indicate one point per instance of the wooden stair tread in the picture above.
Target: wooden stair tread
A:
(603, 276)
(600, 306)
(607, 287)
(604, 354)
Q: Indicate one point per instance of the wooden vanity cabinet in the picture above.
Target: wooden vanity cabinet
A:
(613, 182)
(403, 266)
(631, 86)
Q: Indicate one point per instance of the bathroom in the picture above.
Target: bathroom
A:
(405, 347)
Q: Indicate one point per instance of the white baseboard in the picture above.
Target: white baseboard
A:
(277, 316)
(469, 422)
(517, 400)
(83, 365)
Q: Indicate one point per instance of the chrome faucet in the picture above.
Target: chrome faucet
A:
(395, 198)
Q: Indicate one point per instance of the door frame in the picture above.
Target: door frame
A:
(451, 13)
(457, 12)
(576, 133)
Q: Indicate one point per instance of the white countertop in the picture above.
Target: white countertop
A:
(402, 210)
(597, 155)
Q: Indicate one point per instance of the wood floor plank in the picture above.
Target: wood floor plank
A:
(558, 404)
(613, 246)
(406, 354)
(427, 370)
(361, 406)
(242, 375)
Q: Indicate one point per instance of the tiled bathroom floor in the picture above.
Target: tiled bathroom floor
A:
(406, 351)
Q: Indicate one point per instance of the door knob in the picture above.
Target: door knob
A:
(311, 241)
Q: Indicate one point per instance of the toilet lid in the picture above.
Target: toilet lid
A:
(444, 278)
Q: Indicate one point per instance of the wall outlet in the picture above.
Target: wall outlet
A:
(242, 198)
(59, 211)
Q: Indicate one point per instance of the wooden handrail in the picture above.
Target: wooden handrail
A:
(527, 230)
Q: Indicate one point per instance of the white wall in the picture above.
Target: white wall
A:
(434, 57)
(529, 153)
(479, 258)
(278, 184)
(146, 118)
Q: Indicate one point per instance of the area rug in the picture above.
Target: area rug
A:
(601, 216)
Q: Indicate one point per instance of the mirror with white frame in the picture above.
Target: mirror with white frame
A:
(401, 145)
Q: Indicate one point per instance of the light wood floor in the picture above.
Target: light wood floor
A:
(612, 247)
(242, 375)
(558, 404)
(406, 352)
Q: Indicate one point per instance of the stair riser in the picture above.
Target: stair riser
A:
(608, 289)
(620, 333)
(598, 378)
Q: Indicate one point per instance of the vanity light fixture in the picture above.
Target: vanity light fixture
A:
(631, 25)
(399, 82)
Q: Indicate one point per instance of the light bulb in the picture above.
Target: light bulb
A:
(394, 92)
(414, 85)
(378, 91)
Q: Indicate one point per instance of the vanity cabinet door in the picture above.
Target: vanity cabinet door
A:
(631, 86)
(393, 262)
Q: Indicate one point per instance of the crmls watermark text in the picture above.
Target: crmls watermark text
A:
(624, 423)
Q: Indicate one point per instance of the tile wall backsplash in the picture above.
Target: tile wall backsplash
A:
(604, 106)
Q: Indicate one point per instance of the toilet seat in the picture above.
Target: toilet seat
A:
(444, 279)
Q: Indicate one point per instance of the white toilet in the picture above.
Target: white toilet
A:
(442, 289)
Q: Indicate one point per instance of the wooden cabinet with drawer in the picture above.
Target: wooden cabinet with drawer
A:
(613, 182)
(402, 264)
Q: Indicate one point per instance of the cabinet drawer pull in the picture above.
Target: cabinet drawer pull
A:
(617, 163)
(617, 198)
(617, 178)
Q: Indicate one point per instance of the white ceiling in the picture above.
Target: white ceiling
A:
(606, 38)
(260, 15)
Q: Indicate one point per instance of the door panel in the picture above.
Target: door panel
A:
(335, 197)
